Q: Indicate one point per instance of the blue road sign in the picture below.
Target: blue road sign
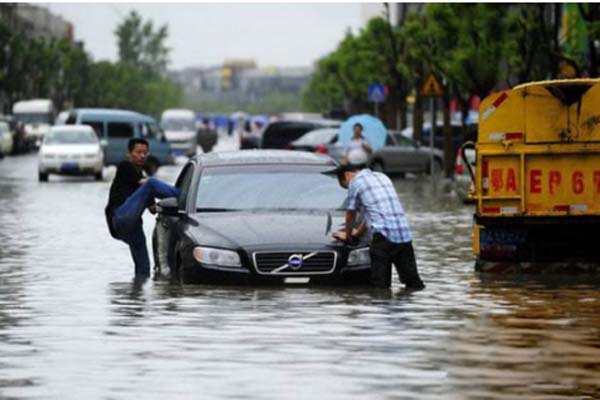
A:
(376, 93)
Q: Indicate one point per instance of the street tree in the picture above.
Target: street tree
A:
(141, 45)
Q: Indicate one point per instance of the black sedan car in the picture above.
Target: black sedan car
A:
(258, 216)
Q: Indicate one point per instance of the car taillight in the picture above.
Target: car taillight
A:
(321, 149)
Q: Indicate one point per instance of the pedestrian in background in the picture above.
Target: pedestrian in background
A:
(130, 194)
(374, 194)
(358, 150)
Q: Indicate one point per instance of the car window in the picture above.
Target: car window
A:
(183, 184)
(279, 134)
(316, 137)
(266, 189)
(70, 137)
(120, 130)
(97, 126)
(404, 141)
(150, 130)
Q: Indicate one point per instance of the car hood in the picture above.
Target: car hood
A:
(266, 230)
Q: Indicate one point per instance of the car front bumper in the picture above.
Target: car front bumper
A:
(248, 273)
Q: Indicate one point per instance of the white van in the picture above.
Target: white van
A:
(37, 115)
(180, 129)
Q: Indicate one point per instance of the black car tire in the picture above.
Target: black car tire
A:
(98, 176)
(43, 177)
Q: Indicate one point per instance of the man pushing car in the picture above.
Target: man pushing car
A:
(374, 194)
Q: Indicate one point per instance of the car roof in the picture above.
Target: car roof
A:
(71, 128)
(264, 157)
(323, 122)
(110, 111)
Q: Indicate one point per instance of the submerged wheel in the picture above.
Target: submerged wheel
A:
(98, 176)
(43, 177)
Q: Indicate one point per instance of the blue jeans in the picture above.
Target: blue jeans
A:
(128, 223)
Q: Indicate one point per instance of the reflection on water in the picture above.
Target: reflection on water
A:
(74, 324)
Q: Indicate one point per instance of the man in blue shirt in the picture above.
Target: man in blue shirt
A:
(374, 194)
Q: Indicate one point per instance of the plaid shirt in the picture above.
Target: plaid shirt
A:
(374, 193)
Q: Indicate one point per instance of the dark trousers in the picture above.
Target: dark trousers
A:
(384, 253)
(128, 223)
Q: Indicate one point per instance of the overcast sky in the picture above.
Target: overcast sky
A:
(206, 34)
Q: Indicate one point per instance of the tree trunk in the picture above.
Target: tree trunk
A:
(449, 152)
(418, 118)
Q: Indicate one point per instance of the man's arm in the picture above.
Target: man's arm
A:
(360, 230)
(350, 218)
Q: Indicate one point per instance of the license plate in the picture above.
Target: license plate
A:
(296, 280)
(69, 166)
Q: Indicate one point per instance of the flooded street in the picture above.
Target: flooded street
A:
(75, 325)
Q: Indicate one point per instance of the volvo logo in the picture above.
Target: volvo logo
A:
(295, 261)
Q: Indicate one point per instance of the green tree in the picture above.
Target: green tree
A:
(142, 46)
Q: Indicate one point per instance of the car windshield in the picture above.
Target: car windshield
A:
(319, 136)
(250, 188)
(32, 118)
(178, 125)
(70, 137)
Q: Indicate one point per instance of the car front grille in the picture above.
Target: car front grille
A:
(295, 263)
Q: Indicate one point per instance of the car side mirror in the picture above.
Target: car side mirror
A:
(169, 206)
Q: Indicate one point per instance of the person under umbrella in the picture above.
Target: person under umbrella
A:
(358, 150)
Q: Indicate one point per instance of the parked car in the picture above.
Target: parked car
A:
(256, 216)
(400, 155)
(6, 139)
(37, 116)
(180, 130)
(279, 134)
(463, 184)
(114, 128)
(316, 140)
(70, 150)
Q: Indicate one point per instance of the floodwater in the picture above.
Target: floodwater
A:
(75, 325)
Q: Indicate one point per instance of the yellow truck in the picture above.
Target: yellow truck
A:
(537, 177)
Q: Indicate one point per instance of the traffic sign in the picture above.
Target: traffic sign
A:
(376, 93)
(432, 87)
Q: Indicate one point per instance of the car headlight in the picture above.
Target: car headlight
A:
(359, 257)
(224, 258)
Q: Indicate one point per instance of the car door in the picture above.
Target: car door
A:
(169, 228)
(396, 156)
(413, 153)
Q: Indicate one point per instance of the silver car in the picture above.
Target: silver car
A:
(401, 155)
